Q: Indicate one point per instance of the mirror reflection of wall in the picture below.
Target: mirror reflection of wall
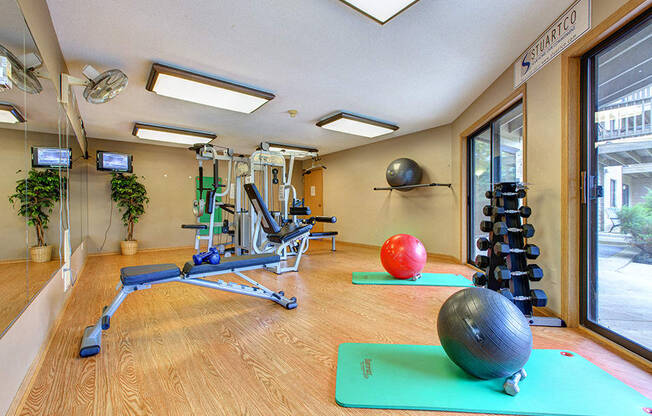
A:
(34, 188)
(13, 247)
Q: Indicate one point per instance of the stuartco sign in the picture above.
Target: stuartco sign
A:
(572, 24)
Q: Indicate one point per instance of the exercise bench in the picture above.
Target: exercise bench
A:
(143, 277)
(323, 235)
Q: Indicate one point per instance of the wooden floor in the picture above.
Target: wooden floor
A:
(183, 350)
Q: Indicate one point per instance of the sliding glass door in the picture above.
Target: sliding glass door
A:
(617, 188)
(495, 154)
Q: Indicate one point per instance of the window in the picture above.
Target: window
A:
(495, 154)
(616, 255)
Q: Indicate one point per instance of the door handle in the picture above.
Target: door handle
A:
(589, 189)
(583, 187)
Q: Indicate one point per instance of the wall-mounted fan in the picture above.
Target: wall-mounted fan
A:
(100, 87)
(21, 73)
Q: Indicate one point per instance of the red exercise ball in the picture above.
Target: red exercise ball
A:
(403, 256)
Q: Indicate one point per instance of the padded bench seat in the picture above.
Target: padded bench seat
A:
(231, 263)
(287, 233)
(324, 234)
(138, 275)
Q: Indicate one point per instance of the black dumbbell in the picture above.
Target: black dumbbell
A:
(538, 297)
(523, 211)
(520, 193)
(483, 244)
(481, 261)
(486, 226)
(534, 273)
(479, 279)
(500, 228)
(531, 251)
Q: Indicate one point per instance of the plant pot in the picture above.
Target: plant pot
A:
(40, 254)
(129, 248)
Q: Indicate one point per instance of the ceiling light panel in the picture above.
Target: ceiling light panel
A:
(202, 89)
(10, 114)
(171, 134)
(287, 148)
(381, 11)
(357, 125)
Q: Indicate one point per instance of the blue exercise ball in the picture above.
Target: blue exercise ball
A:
(484, 333)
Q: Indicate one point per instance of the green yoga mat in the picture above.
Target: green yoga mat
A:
(421, 377)
(427, 279)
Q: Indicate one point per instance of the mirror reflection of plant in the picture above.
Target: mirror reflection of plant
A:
(37, 195)
(637, 222)
(131, 197)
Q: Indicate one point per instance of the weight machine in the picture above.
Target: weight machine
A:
(270, 169)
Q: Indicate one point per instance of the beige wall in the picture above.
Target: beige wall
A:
(543, 155)
(168, 174)
(16, 157)
(433, 215)
(369, 217)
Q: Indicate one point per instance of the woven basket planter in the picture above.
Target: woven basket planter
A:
(41, 254)
(128, 248)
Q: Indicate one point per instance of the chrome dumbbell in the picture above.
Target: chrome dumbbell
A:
(511, 383)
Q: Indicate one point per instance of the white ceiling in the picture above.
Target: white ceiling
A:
(420, 70)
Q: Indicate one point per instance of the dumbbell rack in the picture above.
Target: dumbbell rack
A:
(505, 200)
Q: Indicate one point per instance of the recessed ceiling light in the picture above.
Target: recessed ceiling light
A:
(381, 11)
(202, 89)
(171, 134)
(10, 114)
(358, 125)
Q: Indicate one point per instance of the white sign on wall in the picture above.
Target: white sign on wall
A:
(572, 24)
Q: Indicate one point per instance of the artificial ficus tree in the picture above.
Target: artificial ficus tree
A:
(37, 195)
(131, 197)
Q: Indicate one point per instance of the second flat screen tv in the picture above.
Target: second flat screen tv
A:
(114, 162)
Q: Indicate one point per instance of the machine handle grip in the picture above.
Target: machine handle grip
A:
(325, 219)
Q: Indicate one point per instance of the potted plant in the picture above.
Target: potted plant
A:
(636, 221)
(37, 195)
(131, 197)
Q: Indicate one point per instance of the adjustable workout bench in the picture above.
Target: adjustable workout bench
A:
(143, 277)
(280, 239)
(324, 234)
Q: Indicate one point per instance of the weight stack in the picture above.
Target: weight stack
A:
(506, 268)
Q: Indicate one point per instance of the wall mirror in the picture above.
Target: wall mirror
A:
(40, 190)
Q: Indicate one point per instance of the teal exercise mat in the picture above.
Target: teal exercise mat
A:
(427, 279)
(422, 377)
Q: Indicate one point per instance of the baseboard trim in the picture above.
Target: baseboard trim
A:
(620, 351)
(431, 256)
(144, 250)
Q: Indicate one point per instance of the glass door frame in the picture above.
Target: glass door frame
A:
(494, 167)
(589, 186)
